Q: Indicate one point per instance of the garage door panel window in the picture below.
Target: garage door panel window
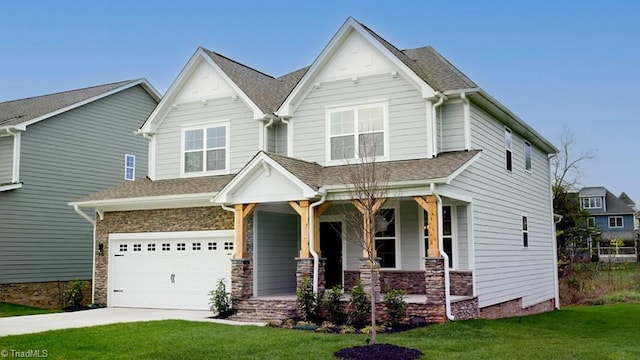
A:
(137, 247)
(181, 246)
(166, 247)
(213, 246)
(195, 246)
(228, 246)
(123, 247)
(151, 247)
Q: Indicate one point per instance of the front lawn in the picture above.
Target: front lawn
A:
(597, 332)
(7, 310)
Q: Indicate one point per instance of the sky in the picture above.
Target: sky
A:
(558, 64)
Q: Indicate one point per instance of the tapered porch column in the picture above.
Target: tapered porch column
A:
(241, 267)
(430, 204)
(316, 226)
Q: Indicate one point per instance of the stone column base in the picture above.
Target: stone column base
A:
(369, 281)
(434, 280)
(241, 279)
(304, 269)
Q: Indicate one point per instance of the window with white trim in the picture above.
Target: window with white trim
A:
(616, 222)
(527, 156)
(525, 231)
(386, 238)
(357, 132)
(592, 203)
(507, 146)
(591, 222)
(129, 167)
(205, 149)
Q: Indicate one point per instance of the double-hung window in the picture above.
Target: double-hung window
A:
(205, 149)
(616, 222)
(592, 203)
(129, 167)
(507, 146)
(386, 238)
(358, 132)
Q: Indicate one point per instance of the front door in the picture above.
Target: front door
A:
(331, 248)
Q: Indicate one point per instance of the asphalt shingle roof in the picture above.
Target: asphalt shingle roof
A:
(312, 174)
(16, 112)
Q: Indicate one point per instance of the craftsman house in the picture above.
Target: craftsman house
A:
(247, 183)
(53, 149)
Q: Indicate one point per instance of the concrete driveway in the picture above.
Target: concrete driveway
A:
(36, 323)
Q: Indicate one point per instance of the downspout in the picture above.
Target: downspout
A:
(312, 240)
(447, 286)
(555, 261)
(266, 134)
(434, 120)
(466, 115)
(76, 208)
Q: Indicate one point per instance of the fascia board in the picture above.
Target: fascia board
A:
(148, 87)
(149, 202)
(510, 119)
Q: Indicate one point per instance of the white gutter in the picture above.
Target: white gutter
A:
(93, 256)
(15, 173)
(434, 120)
(312, 240)
(447, 296)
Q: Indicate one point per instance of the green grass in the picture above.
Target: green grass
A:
(594, 332)
(7, 310)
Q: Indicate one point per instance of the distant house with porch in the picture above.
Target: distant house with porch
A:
(247, 183)
(613, 219)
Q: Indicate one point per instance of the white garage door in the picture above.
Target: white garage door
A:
(173, 270)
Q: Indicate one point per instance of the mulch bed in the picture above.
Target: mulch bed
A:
(378, 352)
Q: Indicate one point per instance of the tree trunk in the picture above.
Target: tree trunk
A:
(373, 303)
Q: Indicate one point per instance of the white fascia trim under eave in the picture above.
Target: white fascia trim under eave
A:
(148, 202)
(538, 139)
(143, 82)
(287, 108)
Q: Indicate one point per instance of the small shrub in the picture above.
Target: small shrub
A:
(288, 323)
(395, 306)
(328, 327)
(334, 306)
(367, 329)
(307, 300)
(73, 294)
(347, 329)
(220, 300)
(359, 305)
(275, 323)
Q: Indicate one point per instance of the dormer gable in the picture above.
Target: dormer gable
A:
(201, 79)
(354, 51)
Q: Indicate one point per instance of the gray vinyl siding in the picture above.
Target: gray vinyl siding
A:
(462, 237)
(504, 270)
(63, 158)
(281, 139)
(243, 129)
(410, 235)
(451, 126)
(271, 139)
(277, 246)
(6, 159)
(407, 116)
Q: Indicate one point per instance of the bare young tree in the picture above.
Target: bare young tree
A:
(566, 164)
(366, 181)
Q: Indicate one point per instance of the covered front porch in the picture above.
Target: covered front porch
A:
(287, 230)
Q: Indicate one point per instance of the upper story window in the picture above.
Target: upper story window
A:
(527, 156)
(205, 149)
(616, 222)
(507, 146)
(592, 203)
(129, 167)
(357, 132)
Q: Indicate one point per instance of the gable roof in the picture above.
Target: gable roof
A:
(614, 204)
(23, 112)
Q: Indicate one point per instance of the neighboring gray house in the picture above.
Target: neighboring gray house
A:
(55, 148)
(247, 183)
(612, 218)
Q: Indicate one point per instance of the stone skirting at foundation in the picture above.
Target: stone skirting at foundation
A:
(47, 295)
(465, 309)
(252, 310)
(461, 282)
(514, 308)
(162, 220)
(413, 282)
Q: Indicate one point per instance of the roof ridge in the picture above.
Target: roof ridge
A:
(71, 90)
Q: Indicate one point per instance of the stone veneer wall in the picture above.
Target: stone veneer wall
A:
(410, 281)
(183, 219)
(461, 282)
(47, 295)
(465, 309)
(514, 308)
